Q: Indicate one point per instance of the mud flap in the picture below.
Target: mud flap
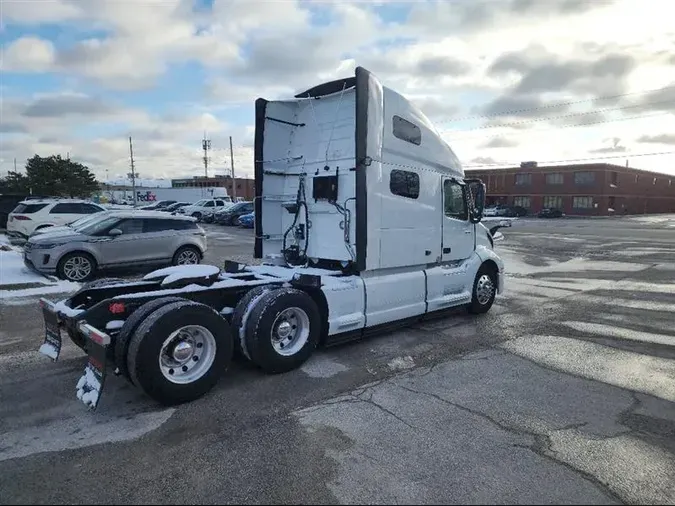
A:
(90, 386)
(51, 347)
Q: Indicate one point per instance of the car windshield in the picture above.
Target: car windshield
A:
(84, 221)
(200, 203)
(98, 225)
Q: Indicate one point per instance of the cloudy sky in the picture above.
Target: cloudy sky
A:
(504, 80)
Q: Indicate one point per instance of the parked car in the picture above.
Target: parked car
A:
(515, 212)
(246, 220)
(230, 215)
(121, 239)
(85, 220)
(158, 206)
(175, 206)
(496, 210)
(549, 212)
(204, 207)
(31, 215)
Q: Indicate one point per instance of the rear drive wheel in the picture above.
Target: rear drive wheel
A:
(179, 352)
(484, 290)
(187, 255)
(282, 330)
(240, 316)
(78, 267)
(129, 328)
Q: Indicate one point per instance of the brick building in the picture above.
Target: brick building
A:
(244, 187)
(597, 189)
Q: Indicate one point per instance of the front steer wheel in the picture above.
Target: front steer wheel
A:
(179, 352)
(484, 290)
(282, 330)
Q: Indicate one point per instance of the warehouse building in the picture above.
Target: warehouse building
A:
(241, 187)
(597, 189)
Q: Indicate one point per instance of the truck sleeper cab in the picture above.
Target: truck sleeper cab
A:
(363, 221)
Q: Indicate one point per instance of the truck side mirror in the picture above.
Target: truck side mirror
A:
(476, 196)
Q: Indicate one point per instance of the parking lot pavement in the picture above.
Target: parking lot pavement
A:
(564, 392)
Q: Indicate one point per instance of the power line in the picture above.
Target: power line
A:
(563, 116)
(587, 159)
(550, 106)
(538, 130)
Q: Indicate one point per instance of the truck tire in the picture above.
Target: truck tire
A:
(283, 330)
(484, 290)
(240, 315)
(129, 328)
(179, 352)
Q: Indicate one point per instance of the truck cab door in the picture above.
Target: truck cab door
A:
(458, 231)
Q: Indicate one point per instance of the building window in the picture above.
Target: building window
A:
(556, 178)
(553, 202)
(404, 184)
(612, 202)
(523, 179)
(455, 206)
(614, 179)
(584, 178)
(407, 131)
(522, 202)
(582, 202)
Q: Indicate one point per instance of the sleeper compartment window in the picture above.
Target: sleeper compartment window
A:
(407, 131)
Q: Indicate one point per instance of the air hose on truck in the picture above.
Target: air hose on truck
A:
(294, 255)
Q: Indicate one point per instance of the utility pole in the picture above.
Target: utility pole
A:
(234, 183)
(133, 172)
(206, 145)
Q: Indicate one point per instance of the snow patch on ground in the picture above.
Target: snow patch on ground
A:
(48, 350)
(60, 287)
(4, 239)
(401, 363)
(14, 272)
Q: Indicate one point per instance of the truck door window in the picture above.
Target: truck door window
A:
(455, 205)
(404, 183)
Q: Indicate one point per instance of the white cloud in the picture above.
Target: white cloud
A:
(28, 54)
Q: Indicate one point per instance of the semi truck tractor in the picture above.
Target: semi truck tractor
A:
(364, 221)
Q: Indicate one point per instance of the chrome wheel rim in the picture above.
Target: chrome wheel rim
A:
(188, 257)
(77, 268)
(290, 331)
(485, 289)
(187, 354)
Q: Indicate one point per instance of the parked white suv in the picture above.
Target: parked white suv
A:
(205, 207)
(31, 215)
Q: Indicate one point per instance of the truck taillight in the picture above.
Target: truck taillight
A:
(22, 218)
(117, 308)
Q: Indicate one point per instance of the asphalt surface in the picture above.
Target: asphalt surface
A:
(563, 393)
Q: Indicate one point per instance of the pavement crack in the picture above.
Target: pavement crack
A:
(369, 400)
(503, 426)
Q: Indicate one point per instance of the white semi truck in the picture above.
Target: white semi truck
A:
(363, 221)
